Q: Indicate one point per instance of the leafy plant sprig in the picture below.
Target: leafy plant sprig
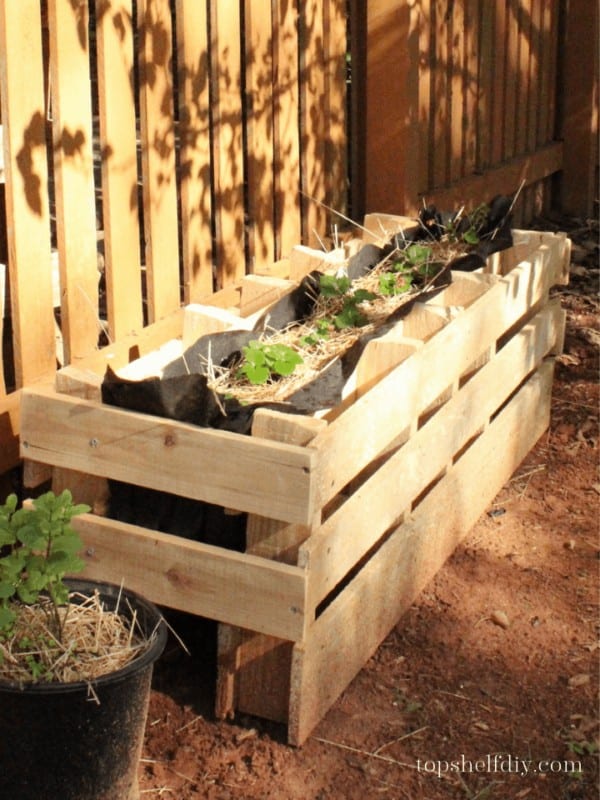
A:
(350, 315)
(263, 361)
(41, 548)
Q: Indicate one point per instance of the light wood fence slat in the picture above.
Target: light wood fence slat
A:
(260, 133)
(195, 156)
(74, 176)
(313, 125)
(117, 111)
(157, 130)
(27, 209)
(227, 118)
(286, 131)
(335, 157)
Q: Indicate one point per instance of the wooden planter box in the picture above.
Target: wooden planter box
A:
(350, 515)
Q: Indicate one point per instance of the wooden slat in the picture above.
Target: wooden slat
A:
(356, 527)
(114, 37)
(260, 132)
(487, 68)
(25, 165)
(335, 49)
(547, 88)
(352, 627)
(440, 109)
(201, 579)
(523, 78)
(461, 84)
(472, 89)
(74, 176)
(228, 141)
(499, 83)
(510, 79)
(425, 77)
(223, 468)
(264, 662)
(535, 74)
(364, 430)
(194, 130)
(392, 64)
(157, 130)
(286, 129)
(315, 112)
(10, 407)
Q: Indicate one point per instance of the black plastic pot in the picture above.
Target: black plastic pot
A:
(57, 743)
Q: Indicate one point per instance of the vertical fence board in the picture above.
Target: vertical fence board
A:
(260, 133)
(534, 75)
(472, 88)
(335, 156)
(523, 83)
(512, 66)
(74, 176)
(25, 166)
(194, 137)
(440, 115)
(425, 78)
(117, 111)
(499, 81)
(313, 124)
(545, 74)
(286, 163)
(485, 130)
(228, 141)
(460, 86)
(157, 129)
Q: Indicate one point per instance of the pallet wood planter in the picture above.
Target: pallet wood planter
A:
(350, 515)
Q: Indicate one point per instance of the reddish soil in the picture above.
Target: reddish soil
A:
(486, 688)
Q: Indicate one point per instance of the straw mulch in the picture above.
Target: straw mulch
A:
(94, 642)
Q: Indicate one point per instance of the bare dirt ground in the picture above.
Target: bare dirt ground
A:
(486, 688)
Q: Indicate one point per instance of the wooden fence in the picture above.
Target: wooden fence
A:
(157, 150)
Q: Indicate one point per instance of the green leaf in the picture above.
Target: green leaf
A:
(255, 374)
(334, 286)
(69, 542)
(418, 253)
(362, 296)
(7, 617)
(470, 237)
(31, 537)
(7, 590)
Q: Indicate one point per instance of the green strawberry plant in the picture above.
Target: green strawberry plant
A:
(263, 361)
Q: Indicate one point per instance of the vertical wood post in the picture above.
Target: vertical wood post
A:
(391, 107)
(579, 118)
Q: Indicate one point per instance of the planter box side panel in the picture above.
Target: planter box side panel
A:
(349, 630)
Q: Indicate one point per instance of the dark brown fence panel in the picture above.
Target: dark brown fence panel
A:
(486, 109)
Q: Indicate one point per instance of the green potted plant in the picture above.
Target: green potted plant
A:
(76, 661)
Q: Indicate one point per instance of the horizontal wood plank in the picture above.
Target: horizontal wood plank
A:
(352, 627)
(236, 588)
(239, 472)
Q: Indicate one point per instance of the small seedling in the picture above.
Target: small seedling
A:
(41, 549)
(263, 361)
